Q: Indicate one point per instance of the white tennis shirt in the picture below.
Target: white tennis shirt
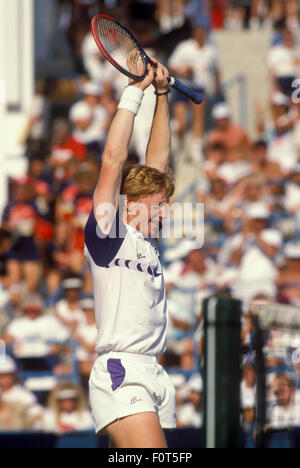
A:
(129, 290)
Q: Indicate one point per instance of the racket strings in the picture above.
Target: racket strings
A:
(116, 42)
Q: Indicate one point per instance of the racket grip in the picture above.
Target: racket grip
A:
(196, 97)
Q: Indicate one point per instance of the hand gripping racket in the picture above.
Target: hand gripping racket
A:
(116, 44)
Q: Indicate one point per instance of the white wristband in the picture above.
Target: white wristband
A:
(131, 99)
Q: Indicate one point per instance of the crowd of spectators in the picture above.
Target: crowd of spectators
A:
(253, 14)
(250, 188)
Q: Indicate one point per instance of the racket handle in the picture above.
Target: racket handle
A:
(196, 97)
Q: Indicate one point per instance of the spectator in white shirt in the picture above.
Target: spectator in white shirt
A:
(89, 118)
(97, 67)
(35, 334)
(253, 252)
(284, 61)
(189, 414)
(282, 148)
(81, 117)
(68, 310)
(284, 411)
(13, 417)
(191, 286)
(66, 410)
(191, 280)
(13, 392)
(195, 62)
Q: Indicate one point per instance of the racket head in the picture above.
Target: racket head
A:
(116, 43)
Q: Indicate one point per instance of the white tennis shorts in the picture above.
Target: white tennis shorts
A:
(122, 384)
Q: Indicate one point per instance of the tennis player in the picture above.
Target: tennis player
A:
(131, 395)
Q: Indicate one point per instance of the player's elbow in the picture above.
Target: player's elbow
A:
(114, 155)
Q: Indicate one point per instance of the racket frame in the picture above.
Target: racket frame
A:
(108, 57)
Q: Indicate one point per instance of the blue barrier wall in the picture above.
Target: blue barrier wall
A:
(180, 439)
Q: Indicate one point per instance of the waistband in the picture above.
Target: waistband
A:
(140, 357)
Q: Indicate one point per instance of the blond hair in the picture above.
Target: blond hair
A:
(142, 181)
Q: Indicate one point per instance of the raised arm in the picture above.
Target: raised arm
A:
(113, 159)
(117, 144)
(159, 146)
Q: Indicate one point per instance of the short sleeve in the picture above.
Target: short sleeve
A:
(101, 248)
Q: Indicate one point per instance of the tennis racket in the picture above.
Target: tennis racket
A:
(116, 43)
